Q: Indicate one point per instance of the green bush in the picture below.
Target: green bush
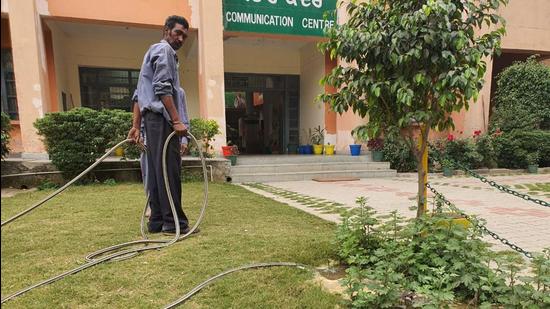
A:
(432, 262)
(522, 97)
(486, 149)
(116, 129)
(6, 127)
(512, 148)
(76, 138)
(463, 151)
(204, 131)
(398, 153)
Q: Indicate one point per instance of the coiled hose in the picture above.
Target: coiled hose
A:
(99, 256)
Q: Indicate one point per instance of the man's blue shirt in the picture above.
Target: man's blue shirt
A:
(159, 77)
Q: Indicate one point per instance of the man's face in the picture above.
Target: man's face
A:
(176, 36)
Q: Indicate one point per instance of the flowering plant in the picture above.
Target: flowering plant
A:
(375, 144)
(235, 150)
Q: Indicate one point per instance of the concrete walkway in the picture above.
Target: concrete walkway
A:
(523, 223)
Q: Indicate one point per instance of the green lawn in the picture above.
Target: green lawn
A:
(239, 228)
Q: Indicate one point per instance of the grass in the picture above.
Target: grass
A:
(322, 205)
(239, 228)
(539, 188)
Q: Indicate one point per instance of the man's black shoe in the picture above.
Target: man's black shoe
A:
(182, 231)
(154, 229)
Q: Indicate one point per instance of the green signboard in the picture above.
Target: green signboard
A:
(295, 17)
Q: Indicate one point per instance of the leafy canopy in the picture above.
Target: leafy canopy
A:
(522, 97)
(411, 61)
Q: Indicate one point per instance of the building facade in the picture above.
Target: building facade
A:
(251, 65)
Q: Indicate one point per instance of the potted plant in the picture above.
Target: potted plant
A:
(317, 139)
(329, 149)
(376, 145)
(448, 167)
(533, 162)
(305, 147)
(292, 148)
(233, 153)
(227, 150)
(204, 131)
(119, 152)
(355, 149)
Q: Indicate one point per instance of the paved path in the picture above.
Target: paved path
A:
(521, 222)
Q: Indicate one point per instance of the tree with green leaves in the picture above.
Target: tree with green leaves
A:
(410, 64)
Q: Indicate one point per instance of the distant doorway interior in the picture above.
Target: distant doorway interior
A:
(262, 112)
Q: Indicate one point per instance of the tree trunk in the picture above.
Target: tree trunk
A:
(422, 198)
(422, 168)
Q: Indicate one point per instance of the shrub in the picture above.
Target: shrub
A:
(117, 125)
(463, 151)
(512, 148)
(522, 97)
(204, 131)
(76, 138)
(432, 262)
(6, 127)
(398, 153)
(375, 144)
(486, 149)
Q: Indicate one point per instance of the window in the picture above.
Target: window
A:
(107, 88)
(9, 94)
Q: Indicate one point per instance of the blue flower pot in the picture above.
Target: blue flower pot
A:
(309, 149)
(355, 150)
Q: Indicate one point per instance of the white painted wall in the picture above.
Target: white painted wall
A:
(59, 41)
(114, 50)
(312, 68)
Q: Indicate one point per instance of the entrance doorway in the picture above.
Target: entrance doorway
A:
(262, 112)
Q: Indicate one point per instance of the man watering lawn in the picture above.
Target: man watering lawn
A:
(160, 108)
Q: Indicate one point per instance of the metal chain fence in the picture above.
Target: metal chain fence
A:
(477, 223)
(437, 156)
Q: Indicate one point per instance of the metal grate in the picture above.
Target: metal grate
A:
(107, 88)
(9, 93)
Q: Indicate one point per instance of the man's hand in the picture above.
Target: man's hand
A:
(180, 128)
(134, 135)
(183, 149)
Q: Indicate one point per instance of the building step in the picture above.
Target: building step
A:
(297, 176)
(308, 167)
(295, 159)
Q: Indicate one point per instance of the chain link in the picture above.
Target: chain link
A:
(478, 224)
(437, 156)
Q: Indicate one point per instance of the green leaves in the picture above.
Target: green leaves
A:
(76, 138)
(204, 131)
(410, 55)
(523, 86)
(434, 261)
(6, 128)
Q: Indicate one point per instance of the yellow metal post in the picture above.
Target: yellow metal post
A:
(424, 197)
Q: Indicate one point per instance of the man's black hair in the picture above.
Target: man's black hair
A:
(171, 22)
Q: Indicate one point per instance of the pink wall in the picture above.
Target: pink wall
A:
(146, 12)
